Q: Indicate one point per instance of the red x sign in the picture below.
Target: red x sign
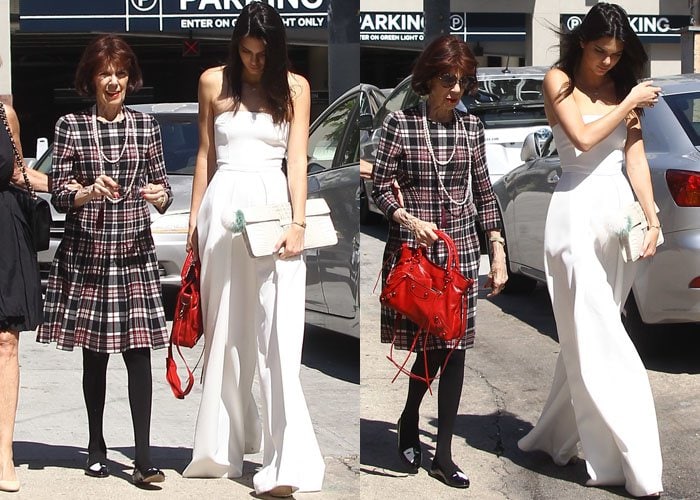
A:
(190, 48)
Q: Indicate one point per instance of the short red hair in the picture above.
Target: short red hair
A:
(443, 55)
(103, 51)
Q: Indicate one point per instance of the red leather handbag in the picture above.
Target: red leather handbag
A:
(431, 296)
(187, 325)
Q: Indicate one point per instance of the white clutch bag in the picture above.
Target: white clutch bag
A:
(632, 235)
(263, 226)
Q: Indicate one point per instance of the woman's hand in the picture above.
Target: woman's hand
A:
(193, 242)
(649, 244)
(105, 186)
(424, 232)
(155, 195)
(498, 275)
(291, 243)
(644, 94)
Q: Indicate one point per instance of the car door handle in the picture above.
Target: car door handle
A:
(553, 178)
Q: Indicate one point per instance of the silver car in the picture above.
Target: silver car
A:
(332, 291)
(667, 287)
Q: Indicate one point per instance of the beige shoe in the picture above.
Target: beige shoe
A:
(281, 491)
(9, 486)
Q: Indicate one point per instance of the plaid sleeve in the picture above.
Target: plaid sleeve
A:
(156, 162)
(484, 198)
(62, 166)
(389, 151)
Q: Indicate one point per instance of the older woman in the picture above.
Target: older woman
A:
(104, 292)
(435, 154)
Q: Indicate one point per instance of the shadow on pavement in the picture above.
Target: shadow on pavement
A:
(378, 448)
(332, 353)
(670, 348)
(534, 309)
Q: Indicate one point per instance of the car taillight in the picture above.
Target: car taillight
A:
(685, 187)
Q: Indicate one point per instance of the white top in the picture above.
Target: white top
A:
(605, 158)
(244, 135)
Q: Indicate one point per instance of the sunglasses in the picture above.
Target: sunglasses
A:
(448, 81)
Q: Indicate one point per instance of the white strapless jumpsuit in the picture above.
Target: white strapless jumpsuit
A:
(601, 394)
(253, 313)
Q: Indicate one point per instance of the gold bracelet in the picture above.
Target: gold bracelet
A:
(300, 224)
(497, 239)
(652, 225)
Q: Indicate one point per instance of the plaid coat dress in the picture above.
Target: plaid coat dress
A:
(104, 289)
(403, 155)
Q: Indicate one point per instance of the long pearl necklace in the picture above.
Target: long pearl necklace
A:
(436, 162)
(103, 157)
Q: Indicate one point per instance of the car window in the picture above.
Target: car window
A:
(513, 89)
(686, 107)
(180, 136)
(394, 102)
(327, 136)
(510, 116)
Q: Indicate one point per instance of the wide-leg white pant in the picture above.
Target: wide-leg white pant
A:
(600, 395)
(253, 316)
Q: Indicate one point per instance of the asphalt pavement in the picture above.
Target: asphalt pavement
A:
(507, 379)
(51, 428)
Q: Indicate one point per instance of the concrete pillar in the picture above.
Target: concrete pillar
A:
(5, 54)
(690, 49)
(436, 15)
(343, 46)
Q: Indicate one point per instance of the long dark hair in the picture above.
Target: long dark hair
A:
(259, 20)
(604, 19)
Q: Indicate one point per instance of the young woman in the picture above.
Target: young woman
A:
(104, 293)
(600, 395)
(252, 113)
(436, 156)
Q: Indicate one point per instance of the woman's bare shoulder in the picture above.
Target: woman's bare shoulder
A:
(212, 77)
(298, 84)
(556, 76)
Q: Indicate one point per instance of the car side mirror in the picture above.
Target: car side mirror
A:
(532, 145)
(365, 122)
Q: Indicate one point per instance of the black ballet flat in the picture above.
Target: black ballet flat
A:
(147, 476)
(457, 479)
(411, 456)
(100, 471)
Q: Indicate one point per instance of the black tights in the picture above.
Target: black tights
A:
(138, 366)
(449, 393)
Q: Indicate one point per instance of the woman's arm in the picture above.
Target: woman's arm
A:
(565, 111)
(640, 178)
(157, 191)
(38, 180)
(205, 164)
(489, 215)
(292, 242)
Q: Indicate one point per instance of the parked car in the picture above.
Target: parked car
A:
(332, 291)
(509, 103)
(667, 287)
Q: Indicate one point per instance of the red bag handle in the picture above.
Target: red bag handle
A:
(188, 266)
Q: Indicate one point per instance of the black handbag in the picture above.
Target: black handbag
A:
(37, 212)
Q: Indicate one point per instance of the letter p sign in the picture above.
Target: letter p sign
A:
(143, 5)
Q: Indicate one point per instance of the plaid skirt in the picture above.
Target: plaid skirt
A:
(104, 296)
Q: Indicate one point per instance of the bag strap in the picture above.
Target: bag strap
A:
(173, 377)
(18, 157)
